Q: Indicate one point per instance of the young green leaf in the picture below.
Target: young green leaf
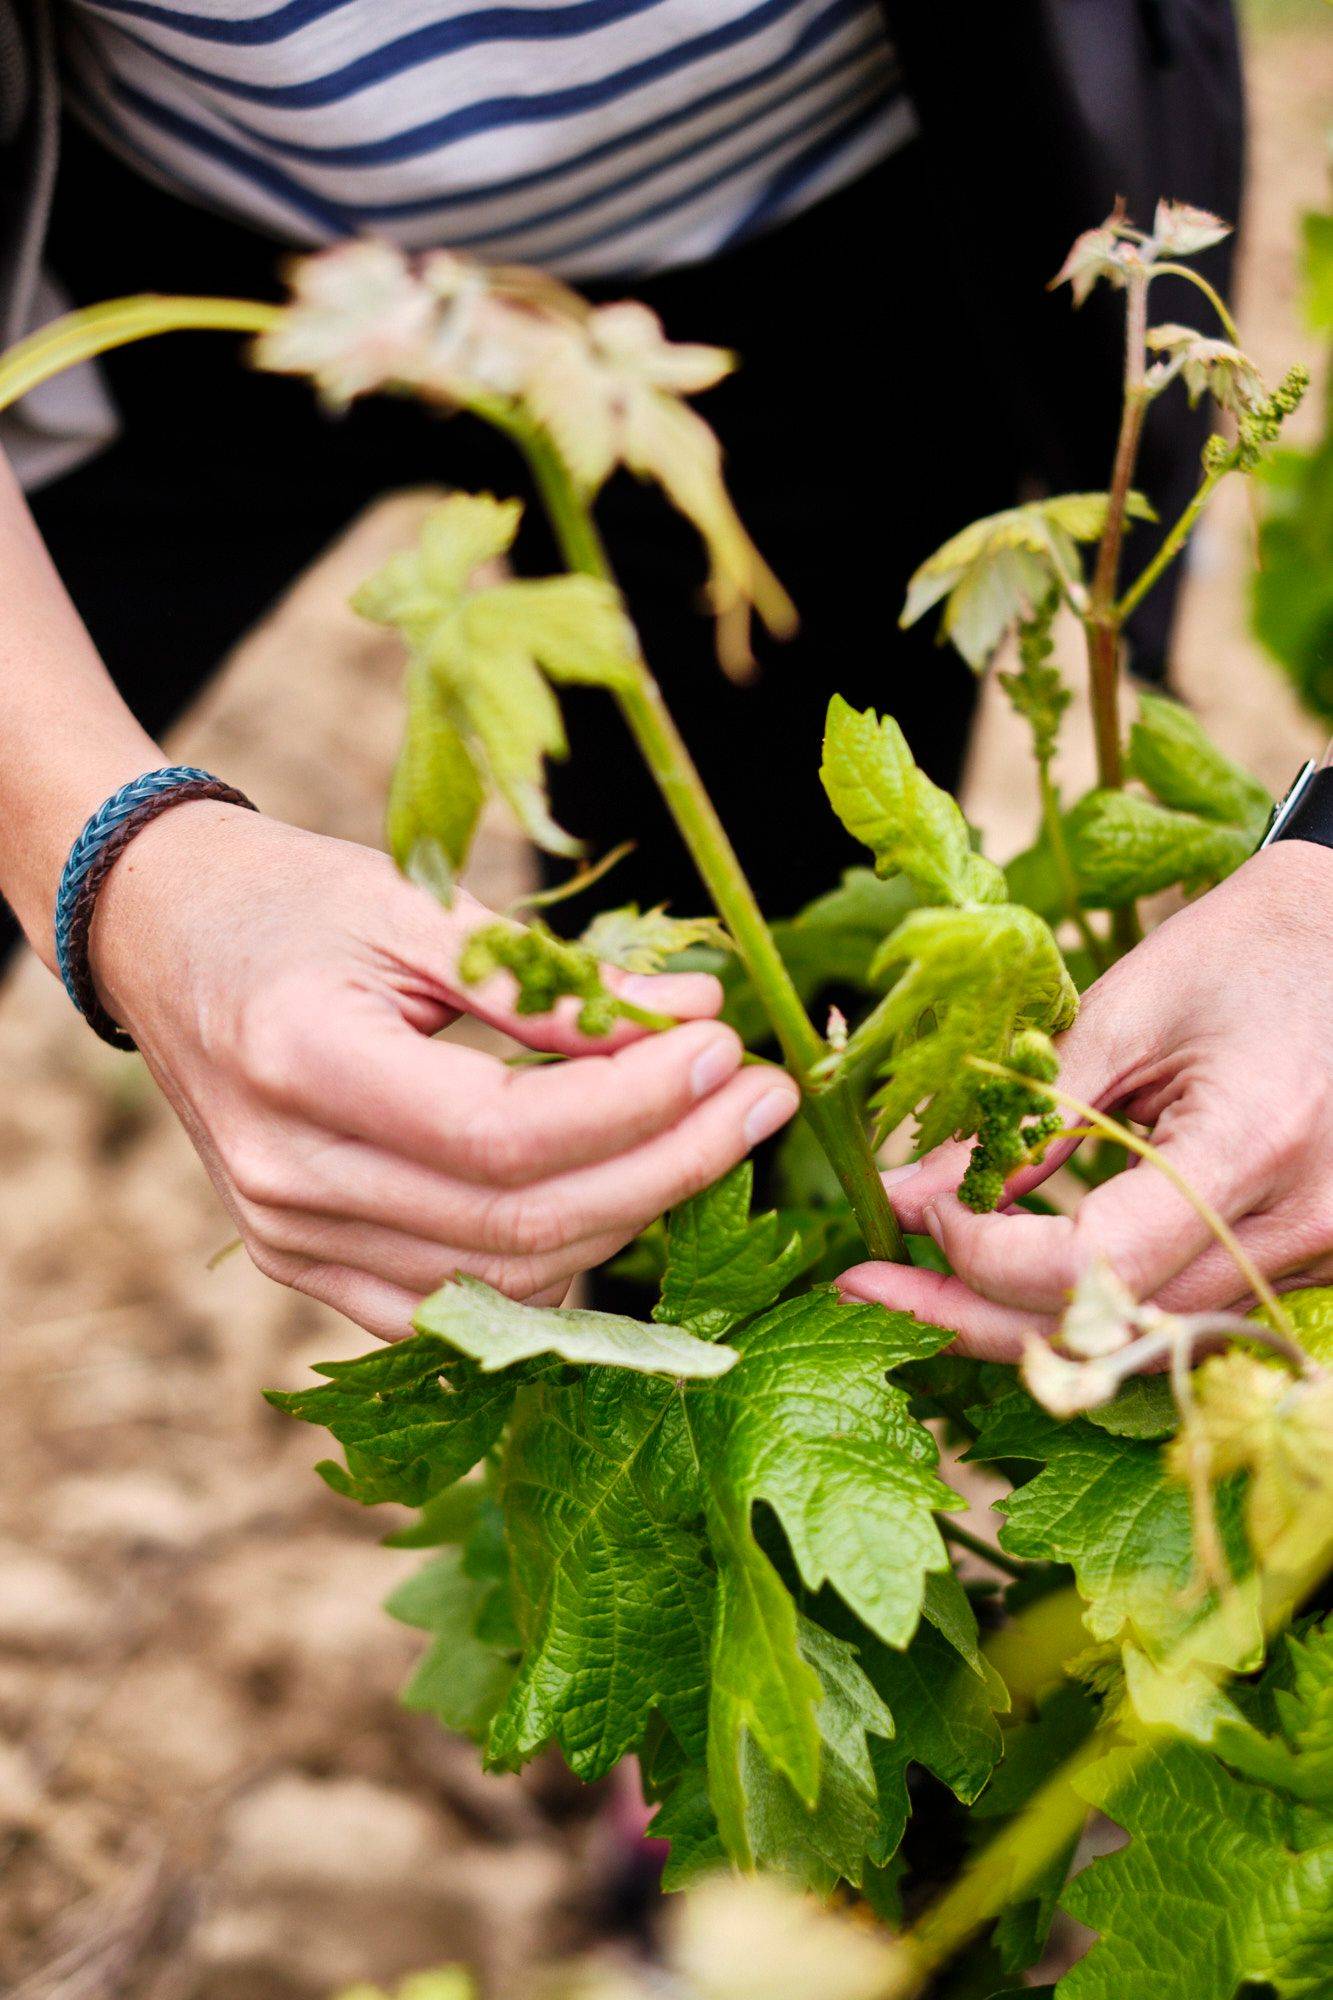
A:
(492, 648)
(972, 979)
(495, 1332)
(412, 1418)
(722, 1265)
(910, 825)
(1226, 1884)
(1170, 753)
(645, 940)
(461, 1679)
(1124, 847)
(436, 795)
(1110, 1508)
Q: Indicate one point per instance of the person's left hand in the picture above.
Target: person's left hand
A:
(1216, 1032)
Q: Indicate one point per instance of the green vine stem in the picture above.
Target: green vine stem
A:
(832, 1111)
(1053, 825)
(81, 336)
(1175, 540)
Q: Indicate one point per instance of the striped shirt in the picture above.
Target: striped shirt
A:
(590, 136)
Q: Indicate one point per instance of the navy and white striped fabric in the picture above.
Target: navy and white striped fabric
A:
(589, 136)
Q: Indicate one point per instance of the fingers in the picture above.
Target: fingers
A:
(417, 1264)
(442, 937)
(382, 1309)
(466, 1115)
(616, 1197)
(985, 1330)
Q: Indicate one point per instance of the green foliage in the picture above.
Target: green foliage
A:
(481, 710)
(963, 978)
(1207, 815)
(1227, 1880)
(722, 1265)
(1111, 1508)
(646, 940)
(890, 806)
(436, 795)
(616, 1578)
(1001, 569)
(971, 980)
(547, 970)
(1293, 581)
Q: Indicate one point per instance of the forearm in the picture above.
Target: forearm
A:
(67, 739)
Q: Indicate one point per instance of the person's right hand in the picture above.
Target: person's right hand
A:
(284, 989)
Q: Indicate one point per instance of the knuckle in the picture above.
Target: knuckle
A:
(256, 1171)
(501, 1148)
(273, 1042)
(532, 1223)
(268, 1261)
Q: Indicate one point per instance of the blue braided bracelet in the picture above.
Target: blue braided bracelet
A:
(110, 829)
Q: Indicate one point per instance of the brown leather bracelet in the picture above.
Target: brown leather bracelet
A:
(81, 976)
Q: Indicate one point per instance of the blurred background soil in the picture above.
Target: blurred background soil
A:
(207, 1790)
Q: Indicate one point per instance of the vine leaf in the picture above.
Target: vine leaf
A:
(1227, 1880)
(971, 979)
(722, 1265)
(436, 793)
(1110, 1508)
(461, 1679)
(645, 940)
(885, 801)
(491, 650)
(495, 1332)
(999, 570)
(1171, 754)
(819, 1844)
(612, 1589)
(411, 1418)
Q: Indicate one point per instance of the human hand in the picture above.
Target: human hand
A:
(1217, 1033)
(283, 989)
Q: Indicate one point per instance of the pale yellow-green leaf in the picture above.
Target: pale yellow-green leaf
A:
(998, 570)
(435, 796)
(644, 940)
(492, 649)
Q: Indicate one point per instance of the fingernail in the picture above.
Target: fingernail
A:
(932, 1222)
(713, 1065)
(773, 1109)
(641, 989)
(895, 1175)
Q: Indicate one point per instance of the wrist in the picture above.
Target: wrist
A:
(1294, 880)
(145, 920)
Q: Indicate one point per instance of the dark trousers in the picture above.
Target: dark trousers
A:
(860, 431)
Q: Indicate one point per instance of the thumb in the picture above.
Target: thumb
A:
(498, 998)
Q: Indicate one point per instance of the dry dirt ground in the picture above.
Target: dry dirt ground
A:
(207, 1791)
